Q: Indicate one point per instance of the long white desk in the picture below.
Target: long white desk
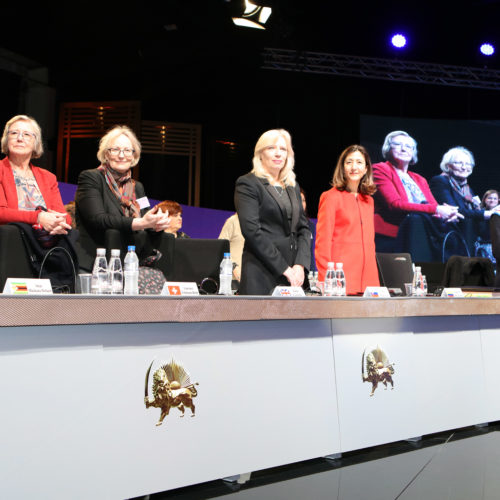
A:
(280, 381)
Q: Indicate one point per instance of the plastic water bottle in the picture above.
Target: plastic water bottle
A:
(100, 273)
(340, 279)
(131, 272)
(226, 275)
(115, 272)
(329, 290)
(418, 283)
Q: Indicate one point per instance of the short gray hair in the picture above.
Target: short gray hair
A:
(451, 153)
(386, 148)
(37, 147)
(113, 134)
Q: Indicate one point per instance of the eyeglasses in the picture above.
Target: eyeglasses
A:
(127, 152)
(401, 145)
(20, 134)
(462, 164)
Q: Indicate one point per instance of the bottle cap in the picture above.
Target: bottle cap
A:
(330, 264)
(115, 252)
(227, 255)
(101, 251)
(340, 265)
(131, 248)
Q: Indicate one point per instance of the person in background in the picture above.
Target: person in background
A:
(70, 209)
(490, 200)
(108, 198)
(482, 246)
(345, 230)
(312, 228)
(231, 231)
(273, 223)
(28, 193)
(403, 196)
(174, 211)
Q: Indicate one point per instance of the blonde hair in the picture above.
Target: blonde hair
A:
(37, 147)
(113, 134)
(269, 138)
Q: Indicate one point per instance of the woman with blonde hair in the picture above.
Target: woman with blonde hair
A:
(272, 219)
(108, 198)
(345, 230)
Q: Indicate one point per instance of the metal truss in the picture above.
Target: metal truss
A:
(381, 69)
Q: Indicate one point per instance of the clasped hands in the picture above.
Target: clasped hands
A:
(448, 213)
(154, 219)
(295, 275)
(53, 222)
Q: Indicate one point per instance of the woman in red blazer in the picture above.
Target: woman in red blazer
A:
(345, 231)
(401, 192)
(27, 193)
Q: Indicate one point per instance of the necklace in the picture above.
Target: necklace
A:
(278, 189)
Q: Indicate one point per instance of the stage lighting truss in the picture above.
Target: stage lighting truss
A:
(254, 16)
(381, 69)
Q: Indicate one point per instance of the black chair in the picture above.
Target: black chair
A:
(394, 270)
(468, 272)
(14, 260)
(197, 259)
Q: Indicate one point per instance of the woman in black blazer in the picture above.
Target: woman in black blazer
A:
(276, 231)
(108, 198)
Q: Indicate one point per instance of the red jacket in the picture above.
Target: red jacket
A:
(345, 233)
(47, 183)
(391, 201)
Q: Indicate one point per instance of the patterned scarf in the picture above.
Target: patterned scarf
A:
(123, 187)
(463, 189)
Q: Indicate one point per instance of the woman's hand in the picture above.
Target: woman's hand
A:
(295, 275)
(54, 222)
(489, 213)
(152, 219)
(448, 213)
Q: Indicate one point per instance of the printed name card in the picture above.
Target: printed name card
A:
(380, 292)
(27, 286)
(452, 292)
(180, 288)
(288, 291)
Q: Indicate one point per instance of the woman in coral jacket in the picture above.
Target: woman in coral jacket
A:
(345, 230)
(28, 194)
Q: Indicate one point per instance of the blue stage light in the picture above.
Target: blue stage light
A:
(398, 40)
(487, 49)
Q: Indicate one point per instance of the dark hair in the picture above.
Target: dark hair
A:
(366, 186)
(172, 206)
(485, 195)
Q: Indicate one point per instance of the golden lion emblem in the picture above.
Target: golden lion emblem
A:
(375, 368)
(172, 388)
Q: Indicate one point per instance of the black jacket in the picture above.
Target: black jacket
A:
(272, 244)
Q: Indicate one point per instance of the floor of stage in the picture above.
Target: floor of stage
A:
(460, 464)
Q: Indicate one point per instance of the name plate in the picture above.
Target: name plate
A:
(179, 288)
(452, 292)
(288, 291)
(378, 292)
(27, 286)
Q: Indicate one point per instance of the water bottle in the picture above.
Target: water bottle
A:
(340, 280)
(131, 272)
(226, 275)
(115, 272)
(100, 273)
(329, 290)
(418, 283)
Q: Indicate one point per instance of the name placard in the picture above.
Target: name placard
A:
(27, 286)
(179, 288)
(288, 291)
(452, 292)
(377, 292)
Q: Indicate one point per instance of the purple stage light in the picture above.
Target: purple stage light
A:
(398, 40)
(487, 49)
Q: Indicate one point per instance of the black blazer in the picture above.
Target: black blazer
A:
(96, 210)
(272, 244)
(444, 193)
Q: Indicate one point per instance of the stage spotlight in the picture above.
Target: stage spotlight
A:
(398, 41)
(487, 49)
(254, 16)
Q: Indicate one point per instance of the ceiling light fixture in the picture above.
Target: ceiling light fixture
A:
(254, 16)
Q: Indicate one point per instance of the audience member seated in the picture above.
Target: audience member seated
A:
(312, 228)
(70, 210)
(403, 198)
(231, 231)
(174, 211)
(483, 243)
(108, 198)
(451, 187)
